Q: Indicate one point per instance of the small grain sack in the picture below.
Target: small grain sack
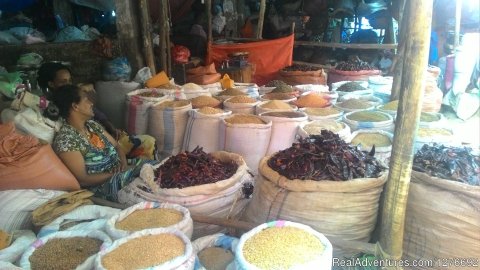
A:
(64, 253)
(282, 89)
(425, 132)
(144, 252)
(232, 92)
(276, 104)
(205, 101)
(215, 258)
(311, 100)
(244, 119)
(210, 110)
(368, 116)
(350, 87)
(370, 139)
(354, 103)
(282, 248)
(242, 99)
(173, 104)
(390, 106)
(149, 218)
(322, 111)
(429, 117)
(277, 96)
(315, 129)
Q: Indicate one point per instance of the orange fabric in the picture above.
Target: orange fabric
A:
(27, 164)
(268, 56)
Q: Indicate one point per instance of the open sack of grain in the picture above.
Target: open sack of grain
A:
(159, 248)
(216, 184)
(326, 189)
(283, 245)
(214, 252)
(150, 215)
(138, 102)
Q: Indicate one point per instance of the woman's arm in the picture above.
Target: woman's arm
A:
(76, 164)
(121, 154)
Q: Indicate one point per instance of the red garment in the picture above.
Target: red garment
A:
(268, 56)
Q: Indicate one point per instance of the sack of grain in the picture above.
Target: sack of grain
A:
(326, 113)
(448, 228)
(61, 250)
(203, 129)
(369, 120)
(241, 104)
(150, 215)
(205, 101)
(285, 97)
(430, 135)
(365, 139)
(222, 199)
(284, 128)
(274, 106)
(312, 100)
(192, 90)
(316, 127)
(161, 248)
(138, 102)
(354, 105)
(214, 251)
(246, 135)
(167, 122)
(283, 245)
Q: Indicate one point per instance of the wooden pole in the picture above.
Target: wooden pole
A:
(208, 4)
(458, 20)
(419, 18)
(166, 11)
(261, 18)
(162, 34)
(397, 65)
(147, 37)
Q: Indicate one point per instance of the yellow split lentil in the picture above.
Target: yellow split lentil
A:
(282, 248)
(149, 218)
(370, 139)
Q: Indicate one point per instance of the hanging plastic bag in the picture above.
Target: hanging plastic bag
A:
(117, 69)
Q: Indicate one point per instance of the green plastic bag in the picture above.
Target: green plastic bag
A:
(9, 83)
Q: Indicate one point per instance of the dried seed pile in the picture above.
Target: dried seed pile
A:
(210, 110)
(277, 96)
(282, 248)
(312, 100)
(350, 87)
(143, 252)
(244, 119)
(425, 132)
(354, 103)
(242, 99)
(322, 111)
(232, 92)
(152, 93)
(192, 86)
(453, 163)
(64, 253)
(173, 104)
(325, 157)
(276, 104)
(215, 258)
(316, 129)
(205, 101)
(192, 169)
(283, 114)
(368, 116)
(301, 68)
(371, 139)
(353, 65)
(275, 83)
(390, 106)
(149, 218)
(284, 88)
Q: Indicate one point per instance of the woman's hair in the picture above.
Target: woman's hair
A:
(65, 97)
(48, 72)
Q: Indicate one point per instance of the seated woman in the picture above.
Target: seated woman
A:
(92, 154)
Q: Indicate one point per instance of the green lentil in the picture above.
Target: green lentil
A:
(367, 116)
(321, 111)
(390, 106)
(282, 248)
(355, 104)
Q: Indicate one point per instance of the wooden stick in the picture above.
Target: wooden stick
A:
(419, 17)
(261, 18)
(146, 36)
(162, 34)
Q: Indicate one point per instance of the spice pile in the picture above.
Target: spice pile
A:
(192, 169)
(276, 104)
(353, 65)
(301, 68)
(241, 99)
(453, 163)
(173, 104)
(368, 116)
(244, 119)
(354, 103)
(149, 218)
(371, 139)
(312, 100)
(152, 93)
(204, 101)
(321, 111)
(325, 157)
(232, 92)
(277, 96)
(350, 87)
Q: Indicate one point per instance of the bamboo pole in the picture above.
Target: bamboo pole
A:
(458, 20)
(419, 18)
(261, 18)
(397, 65)
(146, 36)
(162, 40)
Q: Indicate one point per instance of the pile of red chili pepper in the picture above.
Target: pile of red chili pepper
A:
(325, 157)
(192, 169)
(452, 163)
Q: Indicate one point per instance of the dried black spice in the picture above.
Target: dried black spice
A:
(452, 163)
(353, 65)
(325, 157)
(192, 169)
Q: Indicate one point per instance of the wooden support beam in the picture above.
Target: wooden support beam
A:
(162, 33)
(146, 36)
(166, 14)
(419, 18)
(397, 65)
(261, 18)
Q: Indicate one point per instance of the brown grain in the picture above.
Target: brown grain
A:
(210, 110)
(244, 119)
(149, 218)
(173, 104)
(242, 99)
(205, 101)
(276, 104)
